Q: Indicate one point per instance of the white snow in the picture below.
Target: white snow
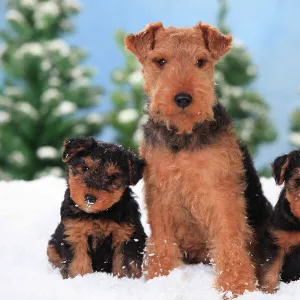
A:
(14, 15)
(47, 152)
(29, 4)
(30, 213)
(65, 108)
(295, 138)
(58, 45)
(51, 94)
(34, 49)
(4, 117)
(128, 115)
(43, 11)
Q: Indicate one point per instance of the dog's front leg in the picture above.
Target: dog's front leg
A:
(76, 235)
(162, 251)
(230, 238)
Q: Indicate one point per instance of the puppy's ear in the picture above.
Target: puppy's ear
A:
(136, 167)
(279, 167)
(75, 146)
(143, 42)
(216, 42)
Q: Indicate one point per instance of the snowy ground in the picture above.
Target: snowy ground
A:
(28, 216)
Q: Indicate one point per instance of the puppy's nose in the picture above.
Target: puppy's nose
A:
(90, 199)
(183, 100)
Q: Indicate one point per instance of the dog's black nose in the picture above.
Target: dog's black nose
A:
(90, 199)
(183, 100)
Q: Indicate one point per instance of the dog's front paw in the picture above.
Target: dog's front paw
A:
(80, 267)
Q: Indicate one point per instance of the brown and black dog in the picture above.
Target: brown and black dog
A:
(202, 192)
(100, 228)
(281, 257)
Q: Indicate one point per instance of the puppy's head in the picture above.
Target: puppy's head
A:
(178, 68)
(286, 169)
(98, 173)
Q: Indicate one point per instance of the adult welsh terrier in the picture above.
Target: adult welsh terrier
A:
(202, 192)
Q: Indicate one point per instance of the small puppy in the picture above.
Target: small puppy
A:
(281, 257)
(100, 228)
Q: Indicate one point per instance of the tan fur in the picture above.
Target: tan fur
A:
(211, 182)
(105, 199)
(53, 256)
(283, 170)
(77, 232)
(195, 201)
(271, 279)
(286, 239)
(293, 192)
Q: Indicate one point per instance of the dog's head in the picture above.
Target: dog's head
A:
(178, 68)
(286, 169)
(98, 173)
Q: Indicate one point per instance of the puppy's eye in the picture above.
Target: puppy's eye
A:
(201, 62)
(297, 181)
(160, 61)
(85, 169)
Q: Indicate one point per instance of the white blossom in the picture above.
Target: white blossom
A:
(43, 11)
(4, 117)
(65, 108)
(47, 152)
(236, 91)
(58, 45)
(17, 157)
(34, 49)
(136, 78)
(15, 15)
(295, 138)
(50, 94)
(94, 118)
(128, 115)
(237, 43)
(30, 4)
(52, 171)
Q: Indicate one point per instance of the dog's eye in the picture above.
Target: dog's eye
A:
(297, 181)
(85, 169)
(160, 61)
(201, 62)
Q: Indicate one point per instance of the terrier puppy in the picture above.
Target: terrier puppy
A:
(100, 228)
(202, 192)
(282, 241)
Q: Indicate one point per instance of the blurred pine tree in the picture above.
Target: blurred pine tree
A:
(234, 73)
(46, 92)
(295, 129)
(128, 99)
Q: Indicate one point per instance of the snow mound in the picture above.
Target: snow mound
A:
(28, 216)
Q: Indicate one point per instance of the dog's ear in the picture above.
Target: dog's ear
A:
(216, 42)
(136, 167)
(75, 146)
(143, 42)
(279, 167)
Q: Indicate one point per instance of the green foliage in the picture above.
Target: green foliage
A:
(234, 74)
(128, 99)
(295, 129)
(46, 93)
